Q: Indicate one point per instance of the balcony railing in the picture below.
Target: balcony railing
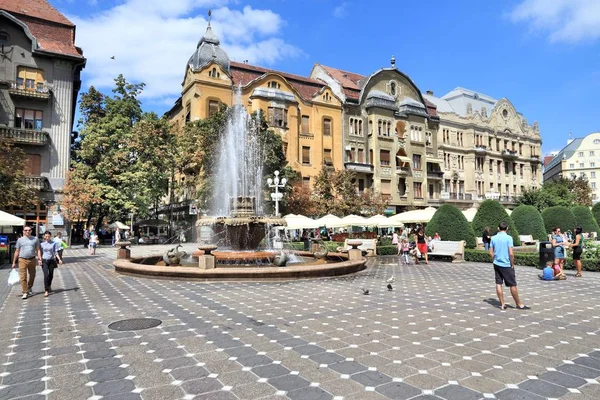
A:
(435, 174)
(509, 153)
(456, 196)
(37, 182)
(25, 136)
(480, 149)
(41, 91)
(359, 167)
(402, 170)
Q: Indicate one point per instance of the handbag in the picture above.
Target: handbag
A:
(13, 277)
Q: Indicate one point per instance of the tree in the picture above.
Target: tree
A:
(13, 190)
(585, 219)
(558, 216)
(596, 212)
(538, 198)
(451, 224)
(299, 200)
(373, 203)
(491, 214)
(562, 192)
(528, 221)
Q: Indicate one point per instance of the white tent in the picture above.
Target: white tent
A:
(470, 213)
(351, 220)
(7, 219)
(378, 221)
(415, 216)
(119, 225)
(328, 220)
(299, 222)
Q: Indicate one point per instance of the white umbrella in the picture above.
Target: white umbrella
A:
(299, 222)
(328, 220)
(351, 220)
(119, 225)
(470, 214)
(7, 219)
(377, 220)
(416, 216)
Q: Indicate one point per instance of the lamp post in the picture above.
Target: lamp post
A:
(276, 196)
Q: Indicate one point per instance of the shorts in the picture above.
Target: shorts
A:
(505, 275)
(577, 253)
(422, 247)
(93, 245)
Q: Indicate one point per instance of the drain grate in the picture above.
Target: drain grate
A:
(135, 324)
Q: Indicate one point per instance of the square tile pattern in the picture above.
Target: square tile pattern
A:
(437, 335)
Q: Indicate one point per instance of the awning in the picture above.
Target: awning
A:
(118, 224)
(403, 159)
(7, 219)
(435, 160)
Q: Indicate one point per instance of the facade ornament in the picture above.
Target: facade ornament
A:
(484, 112)
(469, 109)
(536, 126)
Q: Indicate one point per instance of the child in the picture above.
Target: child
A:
(558, 274)
(405, 251)
(547, 273)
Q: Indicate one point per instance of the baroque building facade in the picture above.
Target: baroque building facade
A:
(39, 82)
(580, 158)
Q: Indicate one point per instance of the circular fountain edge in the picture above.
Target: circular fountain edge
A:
(133, 266)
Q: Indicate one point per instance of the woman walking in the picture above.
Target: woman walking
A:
(49, 256)
(577, 247)
(421, 244)
(486, 238)
(93, 242)
(558, 243)
(395, 242)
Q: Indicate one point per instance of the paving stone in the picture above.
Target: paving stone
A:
(457, 392)
(309, 393)
(200, 386)
(163, 392)
(578, 370)
(398, 390)
(288, 382)
(270, 371)
(22, 389)
(513, 394)
(371, 378)
(189, 373)
(113, 387)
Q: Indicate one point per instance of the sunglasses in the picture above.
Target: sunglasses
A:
(26, 230)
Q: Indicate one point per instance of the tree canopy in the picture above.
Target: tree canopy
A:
(585, 219)
(562, 192)
(13, 190)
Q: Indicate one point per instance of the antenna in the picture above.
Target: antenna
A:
(209, 14)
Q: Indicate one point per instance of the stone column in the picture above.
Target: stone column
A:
(207, 260)
(354, 253)
(123, 253)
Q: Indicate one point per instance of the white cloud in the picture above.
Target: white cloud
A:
(152, 41)
(564, 20)
(341, 11)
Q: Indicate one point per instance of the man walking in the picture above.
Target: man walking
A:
(28, 248)
(501, 251)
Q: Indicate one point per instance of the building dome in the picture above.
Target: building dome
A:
(208, 51)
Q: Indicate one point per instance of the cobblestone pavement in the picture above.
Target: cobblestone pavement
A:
(438, 334)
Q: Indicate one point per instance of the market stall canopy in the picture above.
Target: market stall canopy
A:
(376, 220)
(299, 222)
(415, 216)
(351, 220)
(119, 225)
(152, 222)
(7, 219)
(328, 220)
(470, 214)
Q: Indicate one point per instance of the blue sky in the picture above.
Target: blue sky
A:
(540, 54)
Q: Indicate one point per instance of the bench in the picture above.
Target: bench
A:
(448, 248)
(527, 239)
(368, 246)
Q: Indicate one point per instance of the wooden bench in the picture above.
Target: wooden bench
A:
(527, 239)
(368, 246)
(454, 249)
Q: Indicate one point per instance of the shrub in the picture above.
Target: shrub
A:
(531, 260)
(491, 213)
(387, 250)
(451, 224)
(596, 212)
(585, 219)
(558, 216)
(528, 221)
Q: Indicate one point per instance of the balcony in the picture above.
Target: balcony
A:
(535, 159)
(456, 196)
(37, 182)
(42, 91)
(480, 149)
(510, 154)
(359, 167)
(507, 199)
(436, 175)
(25, 136)
(402, 171)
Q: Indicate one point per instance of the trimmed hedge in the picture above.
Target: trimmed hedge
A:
(387, 250)
(585, 219)
(558, 216)
(451, 224)
(596, 212)
(528, 221)
(529, 260)
(491, 213)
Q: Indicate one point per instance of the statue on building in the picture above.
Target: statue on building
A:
(484, 112)
(469, 109)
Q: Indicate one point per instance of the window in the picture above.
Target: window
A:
(596, 141)
(277, 117)
(428, 139)
(327, 126)
(213, 107)
(305, 125)
(327, 157)
(593, 185)
(213, 73)
(306, 155)
(571, 166)
(593, 174)
(581, 165)
(418, 190)
(384, 157)
(521, 170)
(188, 112)
(416, 161)
(393, 88)
(580, 154)
(3, 38)
(386, 186)
(592, 153)
(306, 181)
(32, 165)
(479, 162)
(327, 97)
(350, 155)
(274, 85)
(361, 156)
(28, 78)
(29, 119)
(491, 166)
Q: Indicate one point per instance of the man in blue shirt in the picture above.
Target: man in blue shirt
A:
(501, 251)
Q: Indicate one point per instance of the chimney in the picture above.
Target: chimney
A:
(429, 92)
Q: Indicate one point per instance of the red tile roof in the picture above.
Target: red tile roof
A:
(431, 108)
(547, 159)
(348, 80)
(41, 9)
(245, 73)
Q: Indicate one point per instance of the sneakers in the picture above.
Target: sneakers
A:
(24, 296)
(30, 292)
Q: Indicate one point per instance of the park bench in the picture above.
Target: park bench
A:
(368, 246)
(448, 248)
(527, 239)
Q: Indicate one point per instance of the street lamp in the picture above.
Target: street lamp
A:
(276, 196)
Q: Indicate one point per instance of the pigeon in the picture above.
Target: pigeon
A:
(365, 291)
(112, 58)
(391, 280)
(390, 288)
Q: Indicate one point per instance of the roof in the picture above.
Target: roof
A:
(40, 9)
(348, 80)
(441, 104)
(547, 160)
(54, 33)
(243, 73)
(460, 97)
(566, 152)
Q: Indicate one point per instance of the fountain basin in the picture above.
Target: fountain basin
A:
(146, 266)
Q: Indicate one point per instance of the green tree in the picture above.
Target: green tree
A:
(13, 190)
(528, 221)
(536, 197)
(585, 219)
(562, 192)
(596, 212)
(451, 224)
(491, 214)
(558, 216)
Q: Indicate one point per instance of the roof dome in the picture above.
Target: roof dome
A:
(208, 51)
(378, 94)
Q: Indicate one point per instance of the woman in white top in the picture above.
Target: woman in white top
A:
(93, 242)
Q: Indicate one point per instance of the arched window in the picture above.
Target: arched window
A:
(393, 88)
